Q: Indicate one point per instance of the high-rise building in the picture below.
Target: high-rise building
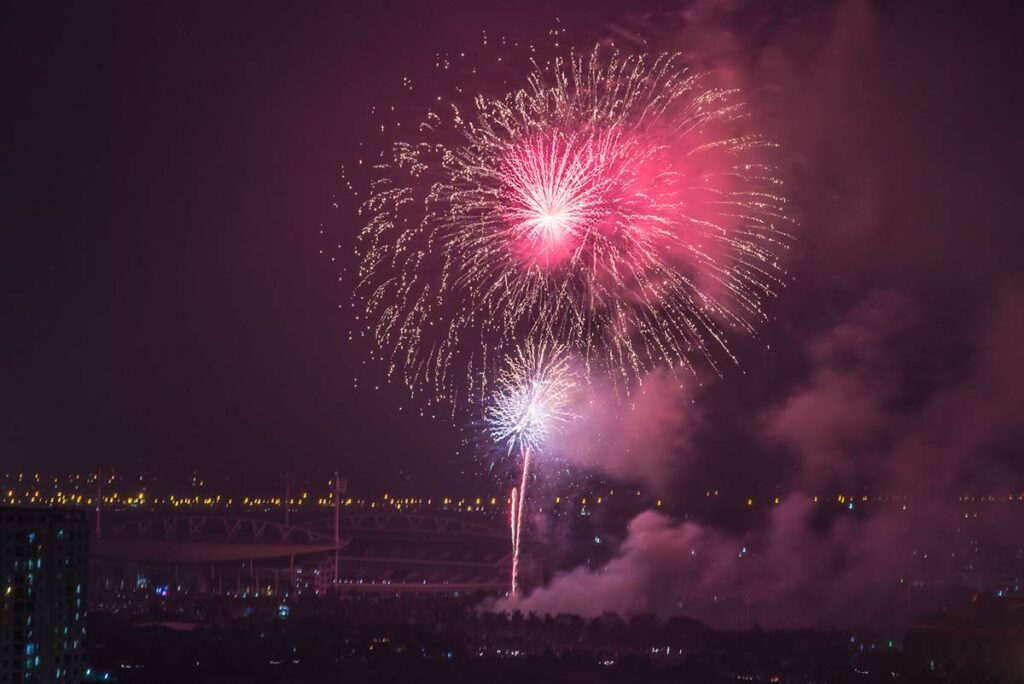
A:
(43, 562)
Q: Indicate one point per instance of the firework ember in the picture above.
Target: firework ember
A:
(615, 205)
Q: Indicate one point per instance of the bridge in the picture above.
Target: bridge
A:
(384, 552)
(206, 538)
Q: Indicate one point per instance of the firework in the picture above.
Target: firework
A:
(615, 205)
(530, 404)
(531, 398)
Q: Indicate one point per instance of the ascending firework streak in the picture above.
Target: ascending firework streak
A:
(530, 404)
(616, 205)
(516, 520)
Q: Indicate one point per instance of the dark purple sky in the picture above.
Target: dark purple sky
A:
(167, 167)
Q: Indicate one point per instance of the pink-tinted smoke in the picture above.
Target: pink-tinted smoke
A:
(645, 437)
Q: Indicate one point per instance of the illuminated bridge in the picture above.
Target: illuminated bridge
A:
(376, 552)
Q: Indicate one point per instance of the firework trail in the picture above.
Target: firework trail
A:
(615, 205)
(516, 521)
(530, 404)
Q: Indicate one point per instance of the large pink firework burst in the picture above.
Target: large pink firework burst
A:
(615, 206)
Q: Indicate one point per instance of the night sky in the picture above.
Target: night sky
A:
(168, 169)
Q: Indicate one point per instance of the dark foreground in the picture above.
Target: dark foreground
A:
(415, 641)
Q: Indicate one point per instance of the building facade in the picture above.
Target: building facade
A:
(43, 565)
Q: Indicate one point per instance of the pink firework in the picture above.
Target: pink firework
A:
(556, 192)
(615, 206)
